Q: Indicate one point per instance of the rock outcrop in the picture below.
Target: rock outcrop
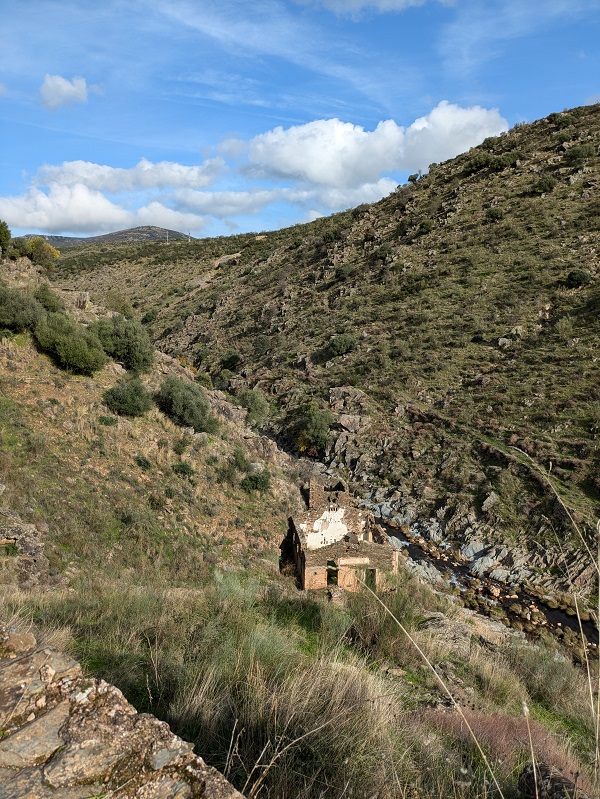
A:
(65, 736)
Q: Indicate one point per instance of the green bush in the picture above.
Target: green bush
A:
(578, 277)
(18, 311)
(309, 426)
(20, 248)
(48, 299)
(149, 316)
(186, 404)
(494, 214)
(257, 481)
(544, 185)
(577, 155)
(257, 405)
(183, 469)
(231, 360)
(128, 397)
(71, 345)
(126, 341)
(203, 379)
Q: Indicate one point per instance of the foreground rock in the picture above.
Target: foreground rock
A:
(64, 736)
(547, 783)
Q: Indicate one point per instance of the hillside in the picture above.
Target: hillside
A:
(450, 330)
(436, 350)
(137, 234)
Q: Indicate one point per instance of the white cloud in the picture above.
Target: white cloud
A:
(223, 204)
(158, 214)
(145, 175)
(72, 208)
(57, 91)
(342, 155)
(447, 131)
(328, 151)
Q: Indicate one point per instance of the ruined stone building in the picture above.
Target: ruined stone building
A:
(336, 543)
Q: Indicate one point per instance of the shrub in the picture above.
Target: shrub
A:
(544, 185)
(149, 316)
(126, 341)
(426, 226)
(308, 426)
(257, 481)
(48, 299)
(71, 345)
(20, 248)
(231, 360)
(494, 214)
(203, 379)
(185, 403)
(257, 405)
(578, 277)
(183, 469)
(18, 311)
(143, 462)
(128, 397)
(577, 155)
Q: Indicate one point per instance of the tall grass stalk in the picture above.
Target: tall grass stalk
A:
(442, 684)
(595, 560)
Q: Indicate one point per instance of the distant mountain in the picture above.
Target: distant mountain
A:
(144, 233)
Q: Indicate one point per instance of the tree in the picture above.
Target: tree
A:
(127, 341)
(4, 238)
(42, 253)
(186, 404)
(309, 426)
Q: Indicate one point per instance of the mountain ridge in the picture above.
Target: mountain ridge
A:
(136, 234)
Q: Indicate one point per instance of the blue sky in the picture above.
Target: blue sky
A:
(223, 116)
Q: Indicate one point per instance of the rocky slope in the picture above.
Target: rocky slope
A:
(451, 330)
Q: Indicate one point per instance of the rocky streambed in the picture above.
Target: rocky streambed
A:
(499, 581)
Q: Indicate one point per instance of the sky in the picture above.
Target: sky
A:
(214, 117)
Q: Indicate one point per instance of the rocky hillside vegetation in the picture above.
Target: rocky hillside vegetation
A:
(438, 351)
(439, 346)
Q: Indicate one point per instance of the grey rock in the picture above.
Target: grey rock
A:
(482, 565)
(489, 502)
(35, 742)
(472, 550)
(501, 575)
(424, 570)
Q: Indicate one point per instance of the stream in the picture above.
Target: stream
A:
(491, 593)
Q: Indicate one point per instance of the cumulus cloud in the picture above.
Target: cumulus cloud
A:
(72, 208)
(145, 175)
(319, 167)
(447, 131)
(328, 151)
(57, 91)
(160, 215)
(342, 155)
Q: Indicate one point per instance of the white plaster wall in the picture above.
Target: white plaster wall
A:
(327, 529)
